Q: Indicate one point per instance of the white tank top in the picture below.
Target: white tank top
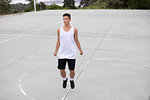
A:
(67, 48)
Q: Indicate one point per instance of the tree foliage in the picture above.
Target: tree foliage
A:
(4, 6)
(69, 4)
(139, 4)
(54, 6)
(85, 3)
(41, 6)
(116, 4)
(19, 7)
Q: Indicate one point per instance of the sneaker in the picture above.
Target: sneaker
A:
(65, 83)
(72, 84)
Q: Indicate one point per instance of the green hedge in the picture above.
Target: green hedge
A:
(54, 6)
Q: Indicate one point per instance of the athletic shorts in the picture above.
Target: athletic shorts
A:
(62, 63)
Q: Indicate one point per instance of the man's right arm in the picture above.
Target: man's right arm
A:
(58, 42)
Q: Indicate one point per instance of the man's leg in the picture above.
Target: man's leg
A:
(61, 66)
(63, 73)
(71, 63)
(72, 74)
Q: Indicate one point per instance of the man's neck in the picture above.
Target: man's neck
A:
(67, 26)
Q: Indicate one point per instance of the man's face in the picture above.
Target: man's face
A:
(66, 20)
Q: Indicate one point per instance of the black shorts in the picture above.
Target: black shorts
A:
(62, 63)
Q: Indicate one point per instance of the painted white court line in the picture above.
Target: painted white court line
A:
(41, 36)
(56, 37)
(50, 25)
(125, 33)
(118, 33)
(23, 75)
(148, 13)
(98, 38)
(31, 35)
(23, 35)
(87, 62)
(84, 66)
(91, 32)
(122, 61)
(6, 66)
(11, 39)
(102, 59)
(79, 37)
(44, 27)
(13, 29)
(21, 89)
(9, 34)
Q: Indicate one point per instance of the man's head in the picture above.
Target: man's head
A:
(66, 18)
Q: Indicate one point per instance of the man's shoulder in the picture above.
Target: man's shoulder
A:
(75, 29)
(58, 30)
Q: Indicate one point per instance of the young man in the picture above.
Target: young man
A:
(66, 48)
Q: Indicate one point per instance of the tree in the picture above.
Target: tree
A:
(69, 3)
(19, 7)
(42, 6)
(115, 4)
(85, 3)
(54, 6)
(4, 6)
(31, 4)
(139, 4)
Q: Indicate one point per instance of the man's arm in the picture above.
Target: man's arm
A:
(77, 41)
(58, 42)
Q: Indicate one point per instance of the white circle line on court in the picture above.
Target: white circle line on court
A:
(21, 89)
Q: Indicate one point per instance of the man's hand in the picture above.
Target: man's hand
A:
(55, 53)
(81, 52)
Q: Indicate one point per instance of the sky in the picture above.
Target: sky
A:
(47, 2)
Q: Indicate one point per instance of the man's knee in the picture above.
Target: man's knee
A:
(72, 71)
(62, 71)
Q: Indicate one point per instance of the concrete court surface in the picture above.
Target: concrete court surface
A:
(115, 64)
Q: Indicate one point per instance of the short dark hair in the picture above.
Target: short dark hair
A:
(67, 14)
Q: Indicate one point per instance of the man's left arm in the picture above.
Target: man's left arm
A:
(77, 40)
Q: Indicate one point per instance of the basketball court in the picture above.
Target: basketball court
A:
(115, 64)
